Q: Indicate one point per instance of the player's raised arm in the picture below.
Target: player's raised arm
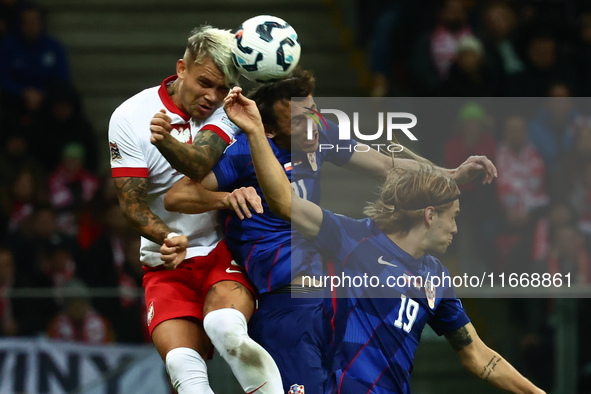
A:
(485, 363)
(378, 165)
(196, 160)
(305, 216)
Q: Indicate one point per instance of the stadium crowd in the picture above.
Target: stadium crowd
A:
(61, 226)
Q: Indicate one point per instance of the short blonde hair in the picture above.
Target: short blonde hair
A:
(206, 41)
(407, 193)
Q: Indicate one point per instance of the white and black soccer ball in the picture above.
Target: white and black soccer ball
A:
(266, 48)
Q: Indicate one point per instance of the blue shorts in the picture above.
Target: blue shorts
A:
(297, 334)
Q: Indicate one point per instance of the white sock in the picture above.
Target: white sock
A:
(187, 371)
(252, 365)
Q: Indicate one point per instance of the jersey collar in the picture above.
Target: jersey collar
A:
(167, 101)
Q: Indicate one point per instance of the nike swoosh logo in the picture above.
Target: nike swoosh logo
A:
(235, 264)
(384, 262)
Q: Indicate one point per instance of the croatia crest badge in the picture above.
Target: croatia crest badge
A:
(296, 389)
(430, 293)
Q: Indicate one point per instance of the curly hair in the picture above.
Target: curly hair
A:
(299, 84)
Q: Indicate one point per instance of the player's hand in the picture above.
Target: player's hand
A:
(243, 111)
(173, 251)
(474, 166)
(240, 200)
(160, 127)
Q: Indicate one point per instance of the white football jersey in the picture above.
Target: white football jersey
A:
(133, 155)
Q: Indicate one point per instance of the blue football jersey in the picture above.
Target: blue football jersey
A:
(383, 323)
(265, 244)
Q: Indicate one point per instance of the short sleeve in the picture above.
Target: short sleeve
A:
(126, 155)
(449, 316)
(220, 124)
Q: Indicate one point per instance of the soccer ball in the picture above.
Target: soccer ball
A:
(266, 48)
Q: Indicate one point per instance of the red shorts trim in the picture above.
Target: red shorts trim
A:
(181, 292)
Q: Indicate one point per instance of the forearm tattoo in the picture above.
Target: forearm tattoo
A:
(197, 160)
(132, 197)
(490, 367)
(459, 338)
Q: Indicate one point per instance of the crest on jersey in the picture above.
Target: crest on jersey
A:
(151, 312)
(312, 160)
(182, 133)
(288, 166)
(430, 292)
(115, 154)
(296, 389)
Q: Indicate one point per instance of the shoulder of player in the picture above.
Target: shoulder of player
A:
(139, 105)
(219, 119)
(436, 266)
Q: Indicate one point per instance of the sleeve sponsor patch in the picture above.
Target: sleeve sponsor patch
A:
(230, 124)
(115, 154)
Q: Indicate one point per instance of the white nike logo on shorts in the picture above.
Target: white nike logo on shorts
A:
(234, 263)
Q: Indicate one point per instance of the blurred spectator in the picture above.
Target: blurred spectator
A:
(468, 76)
(16, 154)
(78, 321)
(580, 198)
(435, 52)
(8, 324)
(544, 66)
(131, 324)
(472, 138)
(551, 128)
(521, 192)
(30, 60)
(574, 161)
(478, 202)
(388, 27)
(60, 122)
(91, 222)
(103, 261)
(568, 255)
(559, 213)
(502, 55)
(33, 242)
(22, 192)
(70, 187)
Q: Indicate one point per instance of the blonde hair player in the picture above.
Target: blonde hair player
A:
(196, 296)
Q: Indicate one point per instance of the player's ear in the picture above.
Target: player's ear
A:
(269, 131)
(181, 67)
(429, 215)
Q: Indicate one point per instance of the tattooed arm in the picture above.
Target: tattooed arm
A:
(195, 161)
(132, 194)
(485, 363)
